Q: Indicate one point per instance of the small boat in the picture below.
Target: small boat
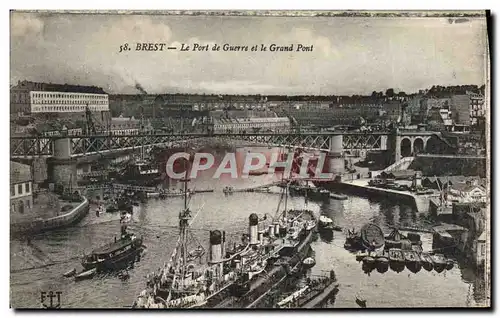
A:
(411, 257)
(439, 262)
(153, 194)
(395, 255)
(86, 274)
(70, 273)
(382, 262)
(412, 261)
(449, 264)
(361, 255)
(262, 190)
(316, 193)
(396, 260)
(309, 262)
(203, 191)
(123, 275)
(325, 223)
(426, 261)
(369, 260)
(228, 190)
(337, 196)
(361, 302)
(372, 236)
(257, 173)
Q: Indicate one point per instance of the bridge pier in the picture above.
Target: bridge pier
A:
(334, 161)
(62, 167)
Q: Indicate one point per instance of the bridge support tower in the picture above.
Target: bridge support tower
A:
(62, 167)
(334, 161)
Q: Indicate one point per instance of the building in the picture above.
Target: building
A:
(63, 102)
(477, 108)
(35, 97)
(128, 126)
(447, 181)
(467, 108)
(253, 124)
(469, 191)
(21, 188)
(333, 116)
(481, 249)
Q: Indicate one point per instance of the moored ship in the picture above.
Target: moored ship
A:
(117, 254)
(233, 278)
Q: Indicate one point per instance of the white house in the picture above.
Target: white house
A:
(467, 192)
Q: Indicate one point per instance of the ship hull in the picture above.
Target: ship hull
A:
(259, 287)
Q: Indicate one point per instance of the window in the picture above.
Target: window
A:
(12, 191)
(28, 205)
(27, 187)
(20, 189)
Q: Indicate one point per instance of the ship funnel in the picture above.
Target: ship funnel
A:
(271, 230)
(276, 229)
(237, 264)
(215, 246)
(223, 248)
(253, 225)
(260, 236)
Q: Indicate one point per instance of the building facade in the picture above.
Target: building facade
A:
(37, 97)
(21, 188)
(62, 102)
(249, 125)
(467, 108)
(477, 108)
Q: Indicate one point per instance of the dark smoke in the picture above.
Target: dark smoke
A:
(140, 88)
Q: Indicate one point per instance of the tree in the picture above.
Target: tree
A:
(389, 92)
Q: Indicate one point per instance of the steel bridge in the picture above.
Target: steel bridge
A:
(85, 145)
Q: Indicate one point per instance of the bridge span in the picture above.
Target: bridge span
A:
(87, 145)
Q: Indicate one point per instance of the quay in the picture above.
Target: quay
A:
(361, 187)
(40, 225)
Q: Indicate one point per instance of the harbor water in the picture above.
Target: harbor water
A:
(38, 264)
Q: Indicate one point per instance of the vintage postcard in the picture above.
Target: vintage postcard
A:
(249, 159)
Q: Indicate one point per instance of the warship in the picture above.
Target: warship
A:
(231, 278)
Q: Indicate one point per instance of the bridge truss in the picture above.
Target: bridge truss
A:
(83, 145)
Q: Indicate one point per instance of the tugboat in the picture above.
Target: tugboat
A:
(117, 254)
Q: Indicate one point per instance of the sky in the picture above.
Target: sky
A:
(349, 56)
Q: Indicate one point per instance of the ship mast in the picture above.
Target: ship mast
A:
(142, 131)
(184, 217)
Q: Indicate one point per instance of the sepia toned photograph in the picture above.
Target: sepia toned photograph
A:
(250, 160)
